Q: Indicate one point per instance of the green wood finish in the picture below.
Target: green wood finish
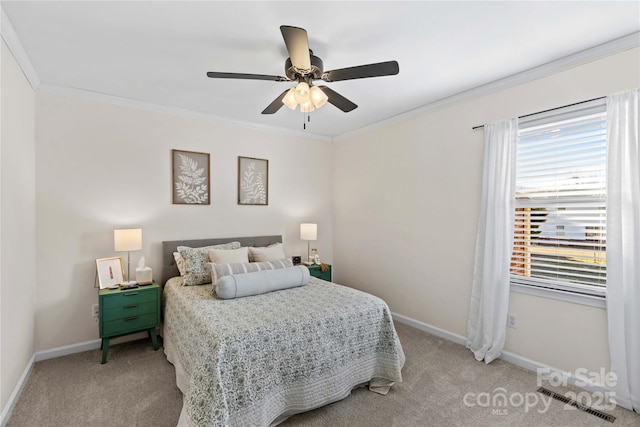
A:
(124, 312)
(123, 298)
(129, 324)
(317, 272)
(128, 310)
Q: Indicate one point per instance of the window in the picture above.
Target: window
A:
(560, 200)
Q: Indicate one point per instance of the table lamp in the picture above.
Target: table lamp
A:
(128, 240)
(308, 232)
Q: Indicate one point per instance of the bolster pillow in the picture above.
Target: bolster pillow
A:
(261, 282)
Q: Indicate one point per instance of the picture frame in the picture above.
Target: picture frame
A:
(190, 178)
(110, 271)
(253, 181)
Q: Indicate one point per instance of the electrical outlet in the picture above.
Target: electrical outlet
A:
(95, 312)
(512, 322)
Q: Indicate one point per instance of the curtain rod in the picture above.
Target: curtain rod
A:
(550, 109)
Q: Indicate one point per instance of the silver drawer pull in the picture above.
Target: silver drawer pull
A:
(130, 294)
(131, 306)
(131, 318)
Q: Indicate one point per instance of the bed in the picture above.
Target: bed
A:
(256, 360)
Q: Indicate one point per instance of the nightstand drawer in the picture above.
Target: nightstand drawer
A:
(125, 298)
(130, 323)
(128, 310)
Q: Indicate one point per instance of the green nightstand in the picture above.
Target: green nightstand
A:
(127, 311)
(316, 271)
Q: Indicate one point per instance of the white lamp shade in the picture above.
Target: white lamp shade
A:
(308, 231)
(290, 100)
(302, 93)
(318, 97)
(127, 240)
(307, 107)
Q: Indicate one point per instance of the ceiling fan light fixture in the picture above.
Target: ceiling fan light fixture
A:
(290, 100)
(302, 93)
(318, 97)
(302, 67)
(307, 107)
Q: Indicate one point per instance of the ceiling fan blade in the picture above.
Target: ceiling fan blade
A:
(297, 45)
(388, 68)
(276, 104)
(216, 75)
(338, 100)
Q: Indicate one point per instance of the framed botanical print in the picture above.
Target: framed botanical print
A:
(190, 178)
(253, 181)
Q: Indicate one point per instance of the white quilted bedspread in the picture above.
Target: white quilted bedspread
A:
(252, 360)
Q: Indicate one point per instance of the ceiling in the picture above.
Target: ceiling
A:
(158, 52)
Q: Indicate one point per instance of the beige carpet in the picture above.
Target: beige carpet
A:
(137, 388)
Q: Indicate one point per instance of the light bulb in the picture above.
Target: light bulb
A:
(302, 93)
(289, 99)
(307, 107)
(318, 97)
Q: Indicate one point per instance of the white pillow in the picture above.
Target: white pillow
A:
(229, 256)
(261, 282)
(270, 253)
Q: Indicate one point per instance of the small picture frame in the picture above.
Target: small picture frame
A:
(110, 271)
(190, 178)
(253, 181)
(296, 259)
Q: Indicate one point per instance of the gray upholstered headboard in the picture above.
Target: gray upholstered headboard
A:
(169, 267)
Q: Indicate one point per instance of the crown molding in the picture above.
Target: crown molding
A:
(12, 41)
(149, 106)
(600, 51)
(629, 41)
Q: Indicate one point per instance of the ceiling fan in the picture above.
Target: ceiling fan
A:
(304, 67)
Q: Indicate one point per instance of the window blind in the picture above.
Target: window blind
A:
(560, 200)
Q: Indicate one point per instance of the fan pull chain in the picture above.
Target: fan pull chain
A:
(304, 123)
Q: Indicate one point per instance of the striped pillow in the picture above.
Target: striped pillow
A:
(221, 270)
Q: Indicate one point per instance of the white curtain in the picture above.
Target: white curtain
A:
(623, 245)
(486, 328)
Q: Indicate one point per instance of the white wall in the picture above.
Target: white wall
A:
(406, 200)
(17, 225)
(102, 166)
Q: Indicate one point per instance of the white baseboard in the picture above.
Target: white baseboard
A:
(516, 359)
(67, 350)
(51, 354)
(6, 412)
(573, 379)
(458, 339)
(37, 357)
